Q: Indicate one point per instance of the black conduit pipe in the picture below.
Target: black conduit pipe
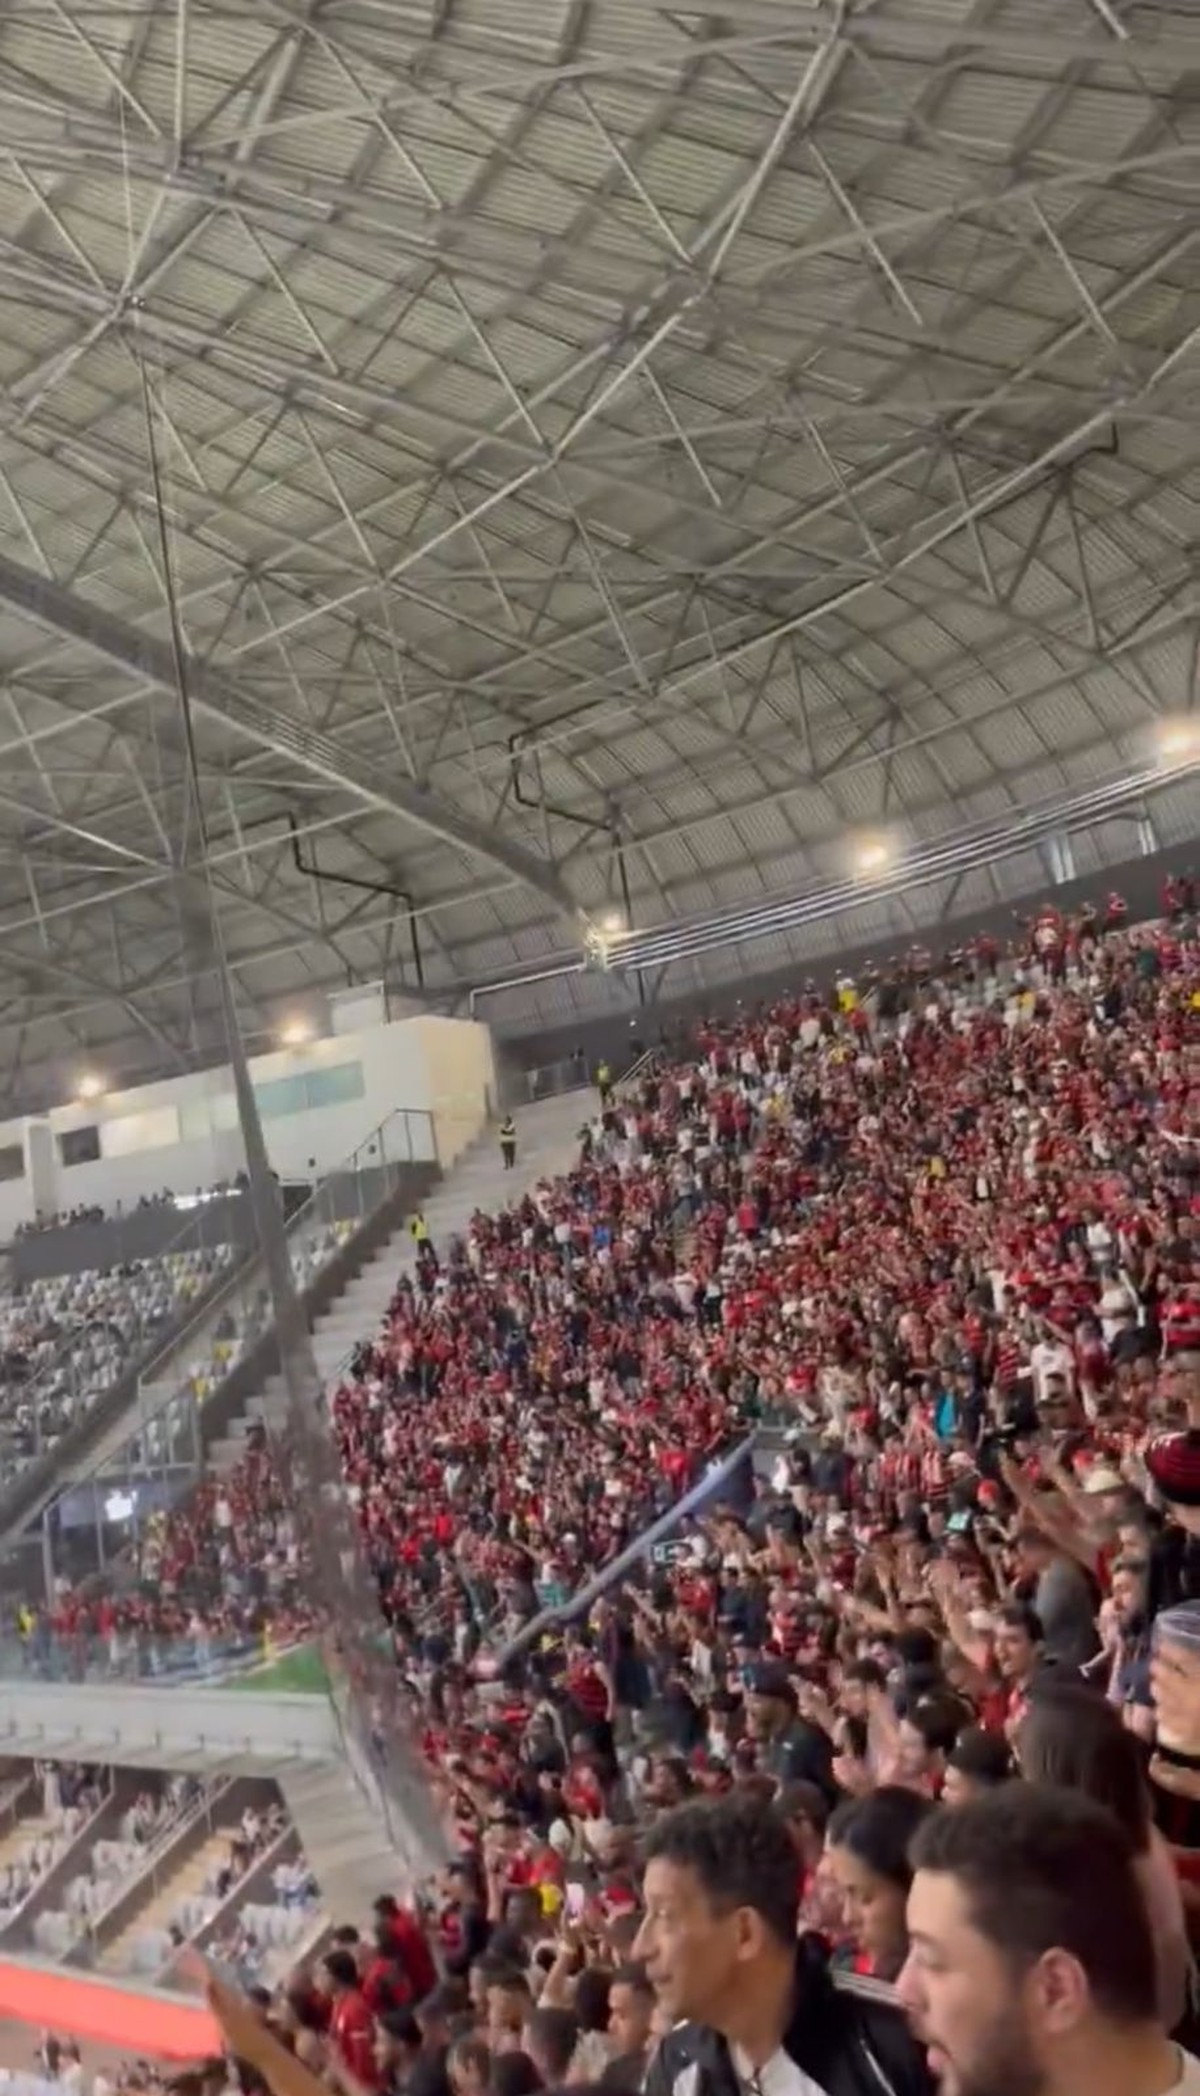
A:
(352, 880)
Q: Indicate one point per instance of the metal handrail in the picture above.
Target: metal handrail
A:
(226, 1908)
(291, 1227)
(81, 1839)
(699, 1495)
(306, 1210)
(100, 1419)
(958, 852)
(50, 1368)
(151, 1857)
(649, 1059)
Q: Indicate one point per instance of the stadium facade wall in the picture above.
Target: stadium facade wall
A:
(318, 1104)
(142, 1726)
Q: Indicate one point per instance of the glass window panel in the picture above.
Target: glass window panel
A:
(284, 1095)
(79, 1145)
(129, 1133)
(337, 1086)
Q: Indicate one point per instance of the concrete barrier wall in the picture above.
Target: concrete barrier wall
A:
(123, 1723)
(144, 1233)
(137, 2019)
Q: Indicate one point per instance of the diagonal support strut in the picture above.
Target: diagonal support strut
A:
(60, 611)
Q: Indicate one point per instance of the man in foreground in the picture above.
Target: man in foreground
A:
(754, 2012)
(1031, 1967)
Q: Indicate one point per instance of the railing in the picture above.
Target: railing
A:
(12, 1802)
(182, 1971)
(84, 1660)
(521, 1085)
(726, 1477)
(91, 1830)
(649, 1059)
(64, 1388)
(552, 1080)
(219, 1216)
(146, 1878)
(151, 1442)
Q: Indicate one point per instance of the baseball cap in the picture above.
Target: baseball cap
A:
(769, 1678)
(1173, 1462)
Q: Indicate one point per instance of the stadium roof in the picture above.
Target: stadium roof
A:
(595, 446)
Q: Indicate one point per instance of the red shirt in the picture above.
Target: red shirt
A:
(406, 1941)
(385, 1985)
(587, 1692)
(352, 2029)
(994, 1706)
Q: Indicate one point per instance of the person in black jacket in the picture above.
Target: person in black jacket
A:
(755, 2012)
(789, 1748)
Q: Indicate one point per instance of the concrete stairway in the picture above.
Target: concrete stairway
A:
(345, 1840)
(546, 1147)
(343, 1829)
(21, 1834)
(160, 1909)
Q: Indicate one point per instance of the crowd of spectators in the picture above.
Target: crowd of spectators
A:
(934, 1239)
(61, 1219)
(94, 1212)
(67, 1338)
(889, 1769)
(1016, 1151)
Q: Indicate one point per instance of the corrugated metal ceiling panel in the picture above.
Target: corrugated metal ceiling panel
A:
(705, 541)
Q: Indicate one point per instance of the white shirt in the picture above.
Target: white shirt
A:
(779, 2076)
(1189, 2075)
(1050, 1357)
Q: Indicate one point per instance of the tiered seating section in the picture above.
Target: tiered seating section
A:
(951, 1205)
(311, 1251)
(145, 1865)
(65, 1340)
(592, 1333)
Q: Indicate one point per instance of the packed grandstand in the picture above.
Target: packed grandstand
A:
(68, 1339)
(923, 1251)
(581, 1508)
(907, 1221)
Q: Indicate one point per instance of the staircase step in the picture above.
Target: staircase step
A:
(547, 1145)
(346, 1839)
(159, 1909)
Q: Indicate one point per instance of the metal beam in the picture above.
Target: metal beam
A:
(62, 612)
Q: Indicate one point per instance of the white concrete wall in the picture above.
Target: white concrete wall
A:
(459, 1060)
(182, 1133)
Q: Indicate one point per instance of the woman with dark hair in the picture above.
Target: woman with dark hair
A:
(867, 1846)
(1072, 1737)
